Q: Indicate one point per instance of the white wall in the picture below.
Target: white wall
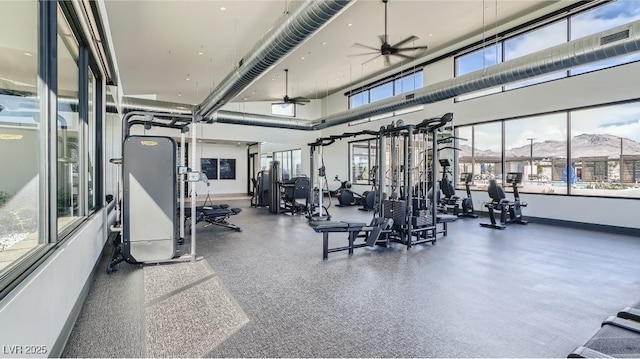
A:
(35, 312)
(309, 111)
(224, 186)
(286, 138)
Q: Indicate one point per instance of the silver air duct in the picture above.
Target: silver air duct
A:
(129, 104)
(290, 31)
(250, 119)
(615, 42)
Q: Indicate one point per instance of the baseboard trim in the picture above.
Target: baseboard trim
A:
(585, 225)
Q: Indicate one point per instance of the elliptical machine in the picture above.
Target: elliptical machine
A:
(369, 199)
(467, 203)
(346, 197)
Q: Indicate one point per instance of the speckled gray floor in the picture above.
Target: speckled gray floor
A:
(527, 291)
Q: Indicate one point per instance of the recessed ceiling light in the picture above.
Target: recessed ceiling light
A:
(430, 35)
(28, 54)
(222, 8)
(200, 52)
(179, 94)
(302, 58)
(273, 79)
(349, 24)
(188, 77)
(323, 43)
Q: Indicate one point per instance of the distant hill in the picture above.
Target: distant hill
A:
(585, 145)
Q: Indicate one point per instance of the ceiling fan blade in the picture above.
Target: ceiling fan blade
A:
(387, 61)
(366, 53)
(371, 59)
(413, 48)
(404, 56)
(365, 46)
(410, 38)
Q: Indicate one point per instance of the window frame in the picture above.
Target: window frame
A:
(569, 159)
(535, 25)
(365, 91)
(49, 238)
(371, 150)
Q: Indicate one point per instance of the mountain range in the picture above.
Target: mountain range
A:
(584, 145)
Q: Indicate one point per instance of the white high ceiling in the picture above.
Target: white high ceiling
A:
(180, 50)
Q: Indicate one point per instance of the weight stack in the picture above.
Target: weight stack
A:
(419, 222)
(396, 210)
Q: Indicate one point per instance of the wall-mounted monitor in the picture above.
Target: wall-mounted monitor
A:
(283, 109)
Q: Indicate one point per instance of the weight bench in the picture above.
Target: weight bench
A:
(215, 215)
(619, 336)
(326, 227)
(631, 313)
(444, 219)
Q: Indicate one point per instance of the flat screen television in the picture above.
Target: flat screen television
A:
(283, 109)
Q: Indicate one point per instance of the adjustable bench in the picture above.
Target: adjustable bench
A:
(215, 215)
(326, 227)
(619, 337)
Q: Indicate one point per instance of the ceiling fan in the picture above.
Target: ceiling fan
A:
(386, 49)
(291, 100)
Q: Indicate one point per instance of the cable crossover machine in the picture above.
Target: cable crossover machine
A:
(407, 215)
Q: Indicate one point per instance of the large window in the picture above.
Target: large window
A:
(600, 19)
(604, 147)
(363, 159)
(534, 41)
(91, 141)
(22, 181)
(290, 162)
(386, 89)
(537, 147)
(597, 19)
(605, 150)
(487, 153)
(69, 129)
(475, 61)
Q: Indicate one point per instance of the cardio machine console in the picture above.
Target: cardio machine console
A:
(466, 177)
(514, 177)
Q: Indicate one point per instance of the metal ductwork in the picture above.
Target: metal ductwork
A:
(289, 32)
(250, 119)
(129, 104)
(615, 42)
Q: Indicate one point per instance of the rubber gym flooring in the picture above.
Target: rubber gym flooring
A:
(526, 291)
